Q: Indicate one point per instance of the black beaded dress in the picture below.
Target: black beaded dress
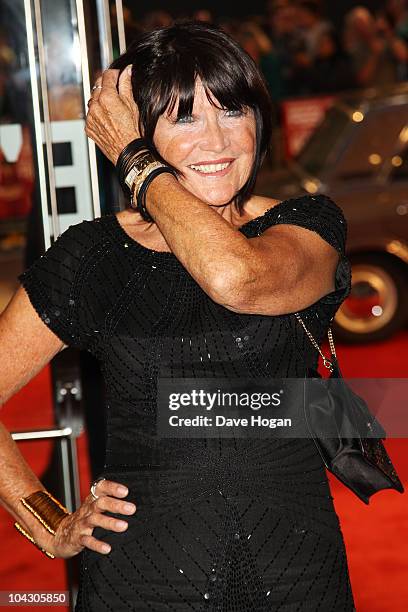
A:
(229, 525)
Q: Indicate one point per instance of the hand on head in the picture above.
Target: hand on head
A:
(112, 118)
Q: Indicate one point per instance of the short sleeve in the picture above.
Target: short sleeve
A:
(53, 283)
(319, 214)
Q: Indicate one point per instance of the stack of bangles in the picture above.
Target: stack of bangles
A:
(136, 168)
(47, 510)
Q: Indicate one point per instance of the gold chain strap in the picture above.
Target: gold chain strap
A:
(328, 364)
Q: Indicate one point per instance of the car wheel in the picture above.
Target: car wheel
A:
(378, 303)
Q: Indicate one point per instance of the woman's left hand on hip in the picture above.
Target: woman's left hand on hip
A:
(112, 119)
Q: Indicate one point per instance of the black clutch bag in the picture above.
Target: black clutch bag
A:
(356, 456)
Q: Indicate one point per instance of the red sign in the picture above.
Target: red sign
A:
(300, 118)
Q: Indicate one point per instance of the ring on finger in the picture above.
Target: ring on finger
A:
(93, 487)
(96, 87)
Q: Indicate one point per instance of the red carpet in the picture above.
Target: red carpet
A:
(376, 535)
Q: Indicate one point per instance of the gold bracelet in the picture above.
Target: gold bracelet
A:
(139, 180)
(46, 509)
(29, 537)
(140, 161)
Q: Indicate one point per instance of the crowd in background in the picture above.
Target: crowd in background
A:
(300, 52)
(298, 49)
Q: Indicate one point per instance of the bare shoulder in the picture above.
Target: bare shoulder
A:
(147, 234)
(129, 218)
(258, 205)
(134, 224)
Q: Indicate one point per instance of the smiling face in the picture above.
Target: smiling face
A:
(214, 148)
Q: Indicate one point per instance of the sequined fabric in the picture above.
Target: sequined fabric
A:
(229, 525)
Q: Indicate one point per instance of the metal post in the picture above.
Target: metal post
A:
(42, 434)
(121, 26)
(87, 94)
(37, 120)
(47, 121)
(105, 32)
(65, 436)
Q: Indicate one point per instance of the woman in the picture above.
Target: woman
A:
(208, 289)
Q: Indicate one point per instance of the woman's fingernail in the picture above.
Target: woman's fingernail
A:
(123, 490)
(106, 548)
(129, 70)
(121, 524)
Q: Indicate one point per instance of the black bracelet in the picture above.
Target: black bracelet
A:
(141, 196)
(126, 159)
(127, 162)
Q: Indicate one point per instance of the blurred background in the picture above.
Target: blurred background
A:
(337, 73)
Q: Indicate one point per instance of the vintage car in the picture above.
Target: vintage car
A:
(358, 155)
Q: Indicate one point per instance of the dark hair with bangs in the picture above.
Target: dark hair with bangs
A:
(165, 65)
